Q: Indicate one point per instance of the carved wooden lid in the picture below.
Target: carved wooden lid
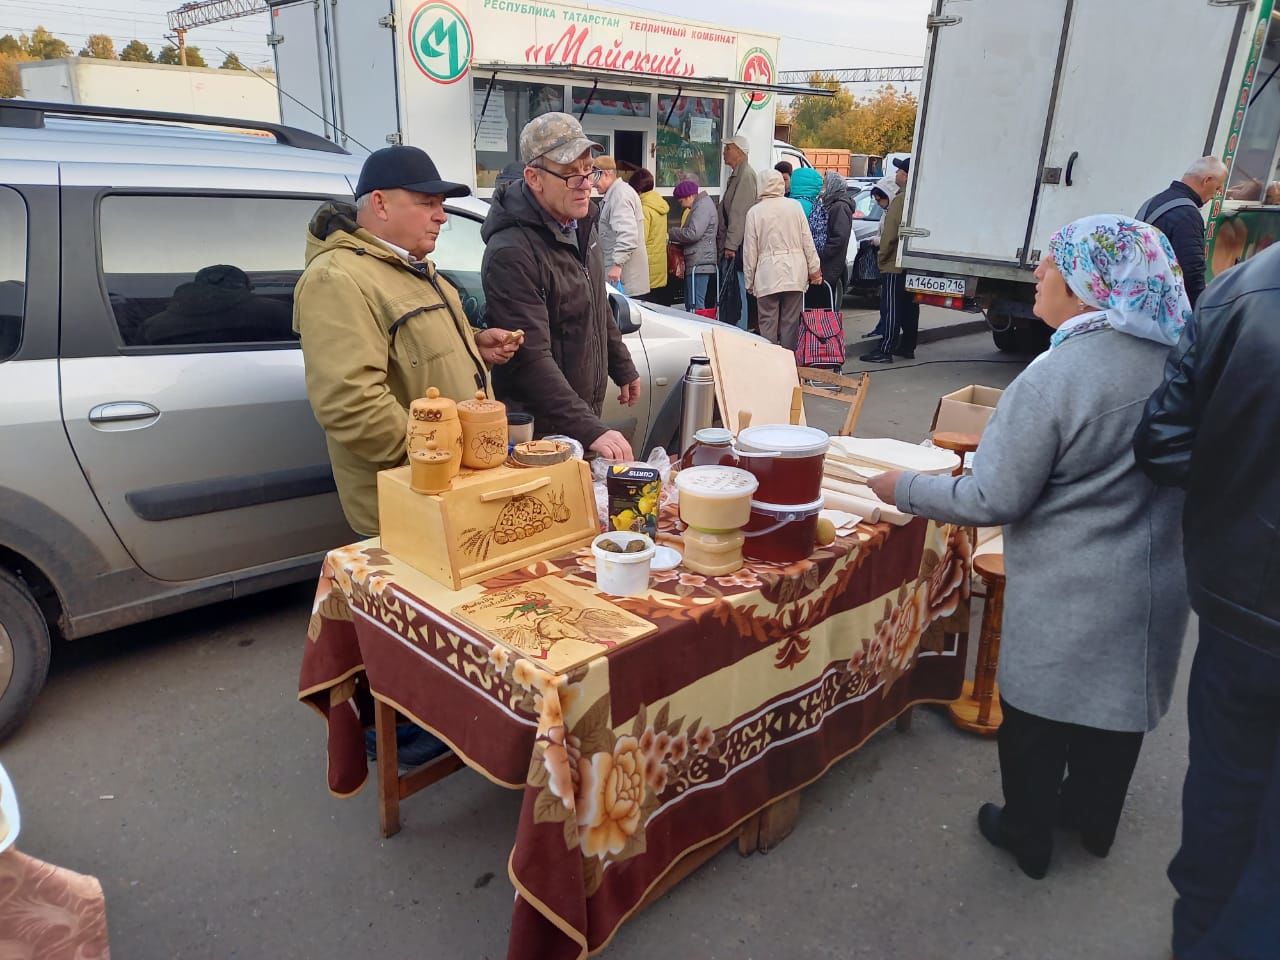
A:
(432, 454)
(433, 407)
(482, 408)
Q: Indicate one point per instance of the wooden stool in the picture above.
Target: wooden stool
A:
(978, 709)
(959, 443)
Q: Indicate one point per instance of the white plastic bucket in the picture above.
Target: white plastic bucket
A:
(622, 574)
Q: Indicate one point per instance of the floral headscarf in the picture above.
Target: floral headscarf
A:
(1126, 269)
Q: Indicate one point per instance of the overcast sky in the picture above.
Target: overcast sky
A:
(815, 34)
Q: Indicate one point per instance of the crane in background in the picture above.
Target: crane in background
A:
(857, 75)
(201, 13)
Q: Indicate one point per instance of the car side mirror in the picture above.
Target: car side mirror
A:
(625, 314)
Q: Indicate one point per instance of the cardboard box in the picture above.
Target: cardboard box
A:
(967, 410)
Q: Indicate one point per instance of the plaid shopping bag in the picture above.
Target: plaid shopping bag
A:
(820, 342)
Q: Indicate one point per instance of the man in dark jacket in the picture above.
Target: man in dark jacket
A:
(543, 273)
(1176, 213)
(1213, 429)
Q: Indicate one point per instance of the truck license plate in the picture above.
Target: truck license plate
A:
(946, 286)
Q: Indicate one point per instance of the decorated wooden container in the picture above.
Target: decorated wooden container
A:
(484, 432)
(430, 469)
(489, 521)
(434, 419)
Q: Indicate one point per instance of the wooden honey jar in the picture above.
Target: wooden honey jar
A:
(431, 470)
(434, 419)
(484, 432)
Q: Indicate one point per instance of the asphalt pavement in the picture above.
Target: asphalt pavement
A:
(173, 761)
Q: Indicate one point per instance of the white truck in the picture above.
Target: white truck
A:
(461, 78)
(1036, 113)
(151, 86)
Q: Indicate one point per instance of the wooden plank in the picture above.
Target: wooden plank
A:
(778, 820)
(429, 773)
(384, 720)
(753, 376)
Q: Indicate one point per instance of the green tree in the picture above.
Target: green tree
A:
(9, 46)
(170, 56)
(232, 62)
(99, 46)
(43, 45)
(10, 79)
(810, 115)
(135, 51)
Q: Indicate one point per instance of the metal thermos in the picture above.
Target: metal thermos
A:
(699, 407)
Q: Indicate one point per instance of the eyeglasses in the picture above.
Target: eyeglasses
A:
(574, 181)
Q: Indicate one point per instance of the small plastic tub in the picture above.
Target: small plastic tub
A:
(622, 574)
(715, 498)
(782, 532)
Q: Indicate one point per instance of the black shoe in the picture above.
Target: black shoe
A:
(991, 824)
(876, 357)
(1070, 821)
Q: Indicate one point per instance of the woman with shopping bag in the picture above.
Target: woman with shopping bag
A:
(779, 260)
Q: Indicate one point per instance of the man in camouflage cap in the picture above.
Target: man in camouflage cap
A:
(543, 273)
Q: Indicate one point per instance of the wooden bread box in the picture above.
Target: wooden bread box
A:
(489, 521)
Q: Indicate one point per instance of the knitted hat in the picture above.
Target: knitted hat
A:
(685, 188)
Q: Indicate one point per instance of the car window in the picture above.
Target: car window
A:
(865, 207)
(13, 270)
(187, 270)
(458, 253)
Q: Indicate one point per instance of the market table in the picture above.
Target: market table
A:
(645, 754)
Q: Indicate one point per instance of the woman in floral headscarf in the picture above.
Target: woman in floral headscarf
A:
(1095, 600)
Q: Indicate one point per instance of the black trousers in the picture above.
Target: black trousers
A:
(902, 314)
(1035, 753)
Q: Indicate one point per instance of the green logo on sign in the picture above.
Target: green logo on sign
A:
(757, 67)
(440, 38)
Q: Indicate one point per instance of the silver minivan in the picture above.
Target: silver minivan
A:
(157, 450)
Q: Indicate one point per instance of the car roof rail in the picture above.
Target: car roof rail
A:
(30, 114)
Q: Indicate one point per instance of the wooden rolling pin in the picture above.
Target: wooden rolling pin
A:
(862, 495)
(868, 511)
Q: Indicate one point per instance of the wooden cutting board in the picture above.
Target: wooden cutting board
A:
(558, 624)
(751, 375)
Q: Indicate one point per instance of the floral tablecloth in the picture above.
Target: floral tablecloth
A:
(50, 913)
(754, 685)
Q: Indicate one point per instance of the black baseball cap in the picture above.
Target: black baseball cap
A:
(405, 168)
(903, 165)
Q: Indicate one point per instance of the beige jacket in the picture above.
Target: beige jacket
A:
(778, 251)
(376, 333)
(622, 237)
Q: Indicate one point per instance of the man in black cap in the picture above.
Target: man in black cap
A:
(379, 325)
(901, 312)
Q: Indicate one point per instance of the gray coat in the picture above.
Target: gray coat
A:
(622, 237)
(740, 195)
(1095, 597)
(697, 237)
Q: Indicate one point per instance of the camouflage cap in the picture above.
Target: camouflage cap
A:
(556, 136)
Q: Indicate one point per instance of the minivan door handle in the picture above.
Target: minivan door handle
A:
(122, 411)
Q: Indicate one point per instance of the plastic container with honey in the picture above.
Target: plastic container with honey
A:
(782, 532)
(715, 498)
(788, 461)
(712, 553)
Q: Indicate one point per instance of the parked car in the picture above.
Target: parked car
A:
(863, 276)
(159, 472)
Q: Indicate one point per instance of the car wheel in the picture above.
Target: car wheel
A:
(24, 652)
(1004, 332)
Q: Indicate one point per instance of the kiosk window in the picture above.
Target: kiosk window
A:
(689, 139)
(1254, 172)
(510, 106)
(612, 103)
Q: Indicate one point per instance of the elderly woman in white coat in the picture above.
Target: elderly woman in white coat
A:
(1095, 597)
(779, 260)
